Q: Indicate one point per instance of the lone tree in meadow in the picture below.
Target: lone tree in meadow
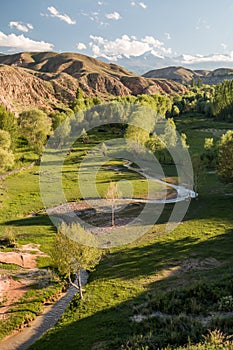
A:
(112, 195)
(74, 250)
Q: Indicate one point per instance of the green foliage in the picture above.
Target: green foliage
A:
(199, 99)
(162, 105)
(5, 139)
(223, 101)
(35, 126)
(28, 308)
(8, 122)
(57, 119)
(169, 138)
(175, 111)
(62, 132)
(70, 256)
(81, 103)
(226, 303)
(225, 157)
(7, 159)
(209, 155)
(198, 171)
(6, 156)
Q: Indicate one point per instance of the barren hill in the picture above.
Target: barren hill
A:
(48, 80)
(185, 76)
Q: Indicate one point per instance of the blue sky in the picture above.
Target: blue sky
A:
(197, 31)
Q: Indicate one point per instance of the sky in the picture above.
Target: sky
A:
(190, 32)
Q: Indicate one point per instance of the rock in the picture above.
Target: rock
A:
(25, 260)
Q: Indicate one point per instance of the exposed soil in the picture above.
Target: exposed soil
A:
(22, 257)
(52, 313)
(14, 284)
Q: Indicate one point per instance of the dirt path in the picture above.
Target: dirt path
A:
(22, 340)
(17, 171)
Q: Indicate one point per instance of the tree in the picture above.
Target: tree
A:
(198, 171)
(62, 132)
(84, 136)
(112, 195)
(210, 152)
(5, 139)
(9, 123)
(170, 136)
(175, 111)
(104, 149)
(35, 126)
(70, 256)
(57, 119)
(225, 157)
(6, 159)
(6, 156)
(155, 144)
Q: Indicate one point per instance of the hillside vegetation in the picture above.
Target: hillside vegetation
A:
(165, 290)
(49, 81)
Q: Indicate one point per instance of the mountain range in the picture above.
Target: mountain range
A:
(149, 61)
(49, 80)
(186, 76)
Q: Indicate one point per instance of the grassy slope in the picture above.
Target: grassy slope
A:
(128, 276)
(20, 200)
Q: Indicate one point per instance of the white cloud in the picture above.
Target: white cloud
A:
(143, 5)
(168, 36)
(224, 46)
(138, 4)
(20, 26)
(114, 16)
(100, 3)
(192, 59)
(95, 17)
(30, 26)
(20, 42)
(81, 46)
(127, 46)
(63, 17)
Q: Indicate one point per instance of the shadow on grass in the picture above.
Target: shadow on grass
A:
(40, 220)
(104, 314)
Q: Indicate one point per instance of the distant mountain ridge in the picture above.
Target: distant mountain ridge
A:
(185, 76)
(48, 80)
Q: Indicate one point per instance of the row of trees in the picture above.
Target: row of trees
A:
(223, 101)
(196, 100)
(211, 101)
(162, 105)
(220, 155)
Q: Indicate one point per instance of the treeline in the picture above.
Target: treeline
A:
(33, 127)
(199, 99)
(210, 101)
(223, 101)
(162, 105)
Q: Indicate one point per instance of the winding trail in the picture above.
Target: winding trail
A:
(51, 314)
(183, 193)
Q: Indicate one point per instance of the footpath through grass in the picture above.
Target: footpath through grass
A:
(137, 279)
(130, 279)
